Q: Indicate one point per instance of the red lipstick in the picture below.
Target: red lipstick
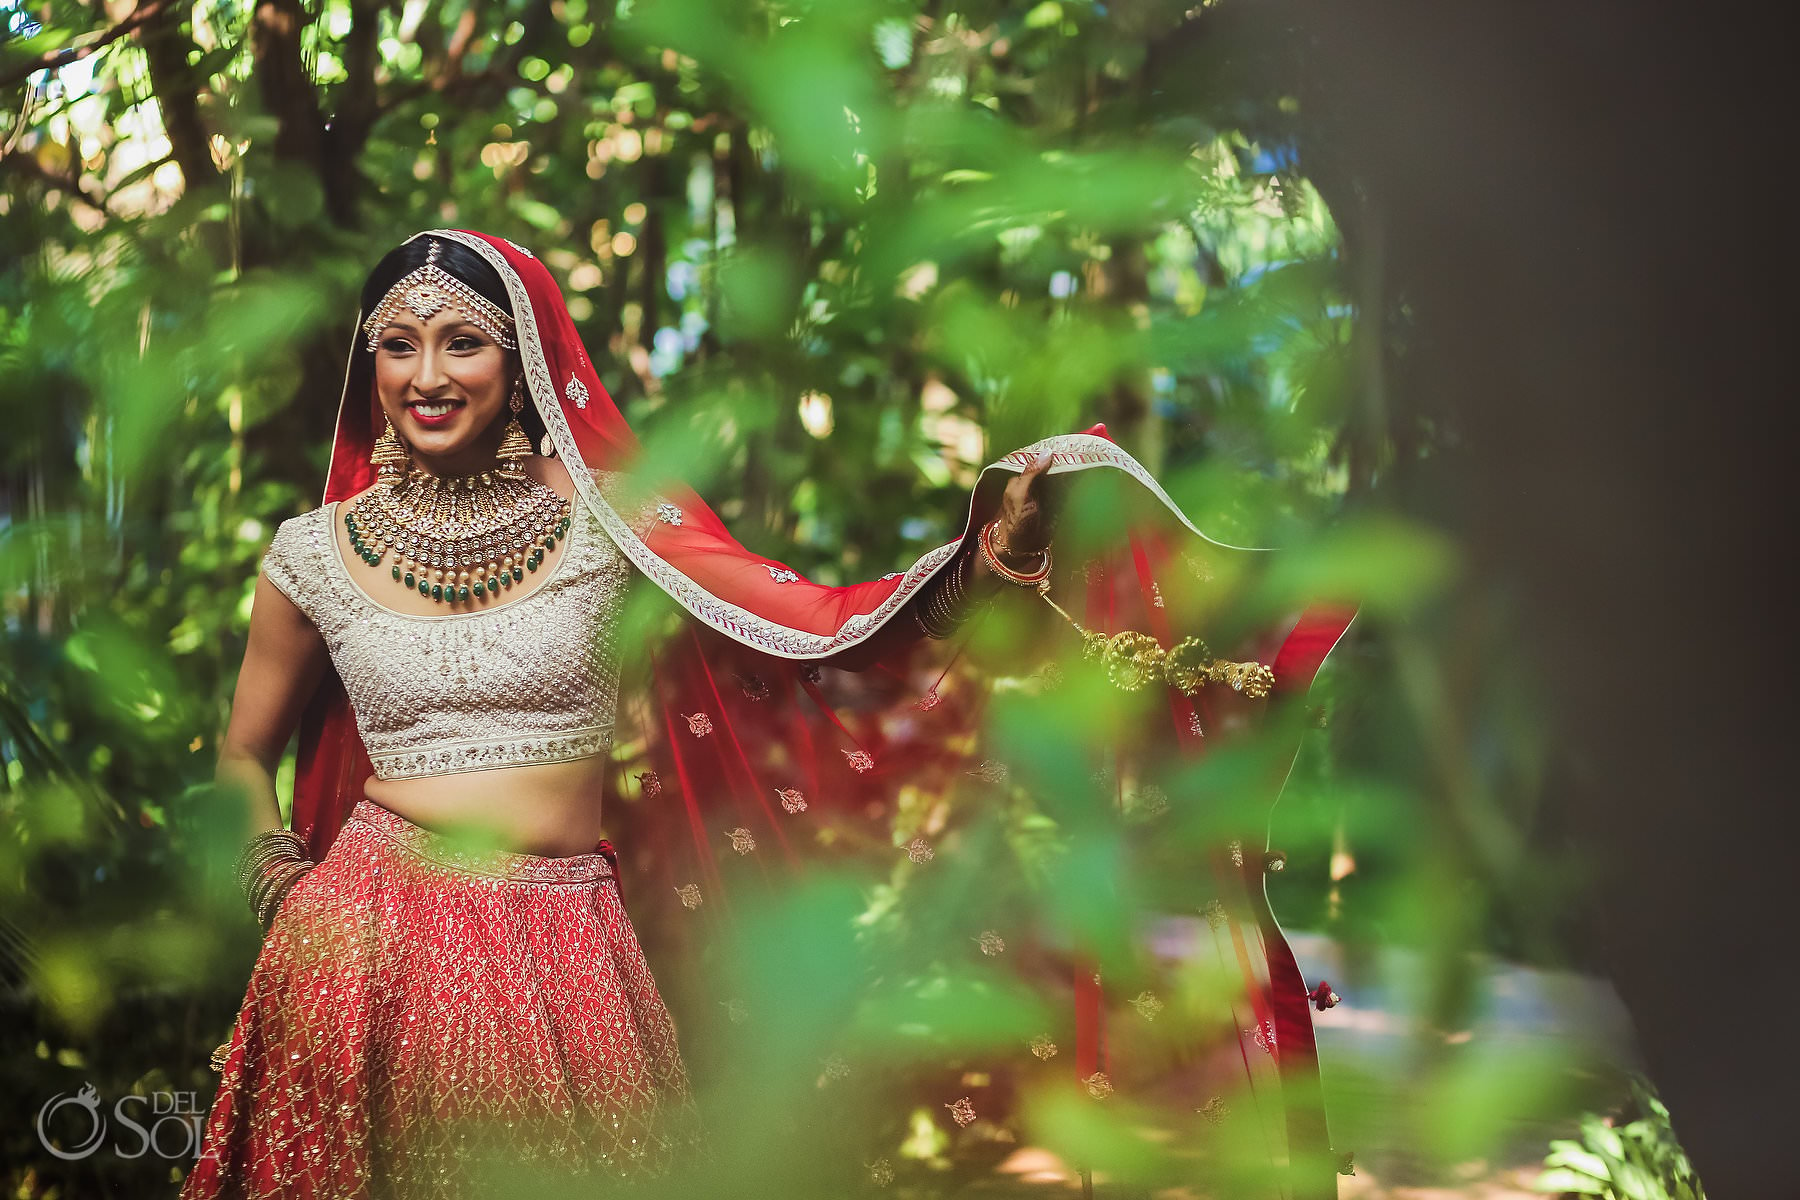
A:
(432, 422)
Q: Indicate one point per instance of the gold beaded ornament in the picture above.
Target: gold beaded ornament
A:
(389, 455)
(457, 540)
(1135, 660)
(429, 290)
(515, 447)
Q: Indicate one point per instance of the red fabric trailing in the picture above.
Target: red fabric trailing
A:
(757, 789)
(332, 767)
(703, 851)
(818, 698)
(1090, 1019)
(1303, 651)
(1296, 664)
(1260, 1007)
(1158, 617)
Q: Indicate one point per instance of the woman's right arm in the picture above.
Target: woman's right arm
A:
(283, 663)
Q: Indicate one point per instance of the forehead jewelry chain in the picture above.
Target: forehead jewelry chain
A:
(460, 540)
(429, 290)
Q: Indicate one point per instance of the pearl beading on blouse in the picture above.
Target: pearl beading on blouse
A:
(528, 680)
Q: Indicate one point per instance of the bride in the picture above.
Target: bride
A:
(449, 982)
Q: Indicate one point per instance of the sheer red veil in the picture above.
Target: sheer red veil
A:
(779, 629)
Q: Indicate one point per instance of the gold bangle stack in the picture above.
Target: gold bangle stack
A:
(993, 545)
(268, 868)
(948, 604)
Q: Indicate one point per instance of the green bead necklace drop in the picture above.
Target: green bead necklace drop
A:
(458, 540)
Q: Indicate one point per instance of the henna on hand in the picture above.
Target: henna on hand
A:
(1025, 521)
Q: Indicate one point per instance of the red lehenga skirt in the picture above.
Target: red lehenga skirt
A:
(428, 1021)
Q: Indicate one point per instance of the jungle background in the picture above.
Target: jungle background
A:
(849, 251)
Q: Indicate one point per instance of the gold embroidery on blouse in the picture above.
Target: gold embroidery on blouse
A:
(533, 680)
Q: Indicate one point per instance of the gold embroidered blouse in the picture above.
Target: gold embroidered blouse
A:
(528, 680)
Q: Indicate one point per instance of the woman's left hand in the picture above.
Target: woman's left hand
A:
(1025, 520)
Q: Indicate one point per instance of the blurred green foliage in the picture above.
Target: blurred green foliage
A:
(830, 256)
(1632, 1157)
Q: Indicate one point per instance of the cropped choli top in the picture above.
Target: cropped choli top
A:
(528, 680)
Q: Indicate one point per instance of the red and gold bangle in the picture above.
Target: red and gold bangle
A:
(1030, 579)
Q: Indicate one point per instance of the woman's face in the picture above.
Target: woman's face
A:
(444, 384)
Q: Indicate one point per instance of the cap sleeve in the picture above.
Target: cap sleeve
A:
(292, 562)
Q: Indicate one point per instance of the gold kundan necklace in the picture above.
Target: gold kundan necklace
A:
(458, 540)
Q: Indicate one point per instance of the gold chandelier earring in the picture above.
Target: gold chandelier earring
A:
(515, 447)
(389, 456)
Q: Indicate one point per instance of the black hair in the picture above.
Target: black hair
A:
(453, 257)
(466, 265)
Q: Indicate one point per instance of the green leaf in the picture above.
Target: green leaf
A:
(1562, 1180)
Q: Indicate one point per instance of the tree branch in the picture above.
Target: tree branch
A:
(287, 89)
(460, 42)
(177, 90)
(147, 10)
(448, 76)
(356, 115)
(27, 164)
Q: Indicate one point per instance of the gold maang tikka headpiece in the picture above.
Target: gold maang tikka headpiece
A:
(427, 291)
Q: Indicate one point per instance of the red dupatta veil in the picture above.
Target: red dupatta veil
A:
(674, 539)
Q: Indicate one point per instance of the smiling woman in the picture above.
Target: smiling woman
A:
(445, 355)
(461, 519)
(483, 683)
(467, 611)
(421, 1009)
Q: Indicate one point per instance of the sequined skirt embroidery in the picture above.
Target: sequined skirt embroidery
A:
(428, 1021)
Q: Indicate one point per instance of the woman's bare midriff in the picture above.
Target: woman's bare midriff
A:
(548, 809)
